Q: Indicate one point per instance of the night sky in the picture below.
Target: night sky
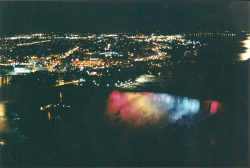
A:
(123, 16)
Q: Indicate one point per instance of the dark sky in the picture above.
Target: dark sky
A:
(114, 17)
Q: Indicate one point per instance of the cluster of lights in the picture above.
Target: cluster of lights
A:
(50, 105)
(35, 42)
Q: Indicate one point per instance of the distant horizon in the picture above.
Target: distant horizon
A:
(132, 33)
(167, 17)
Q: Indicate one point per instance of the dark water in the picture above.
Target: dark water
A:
(137, 126)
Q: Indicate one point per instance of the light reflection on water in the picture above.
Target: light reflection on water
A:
(142, 81)
(3, 118)
(142, 108)
(246, 55)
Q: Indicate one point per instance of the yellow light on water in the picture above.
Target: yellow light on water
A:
(3, 120)
(2, 143)
(49, 116)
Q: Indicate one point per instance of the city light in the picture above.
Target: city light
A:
(35, 42)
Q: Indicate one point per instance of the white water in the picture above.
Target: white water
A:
(246, 55)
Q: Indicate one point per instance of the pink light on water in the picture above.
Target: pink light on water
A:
(214, 107)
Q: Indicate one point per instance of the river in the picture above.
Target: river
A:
(155, 121)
